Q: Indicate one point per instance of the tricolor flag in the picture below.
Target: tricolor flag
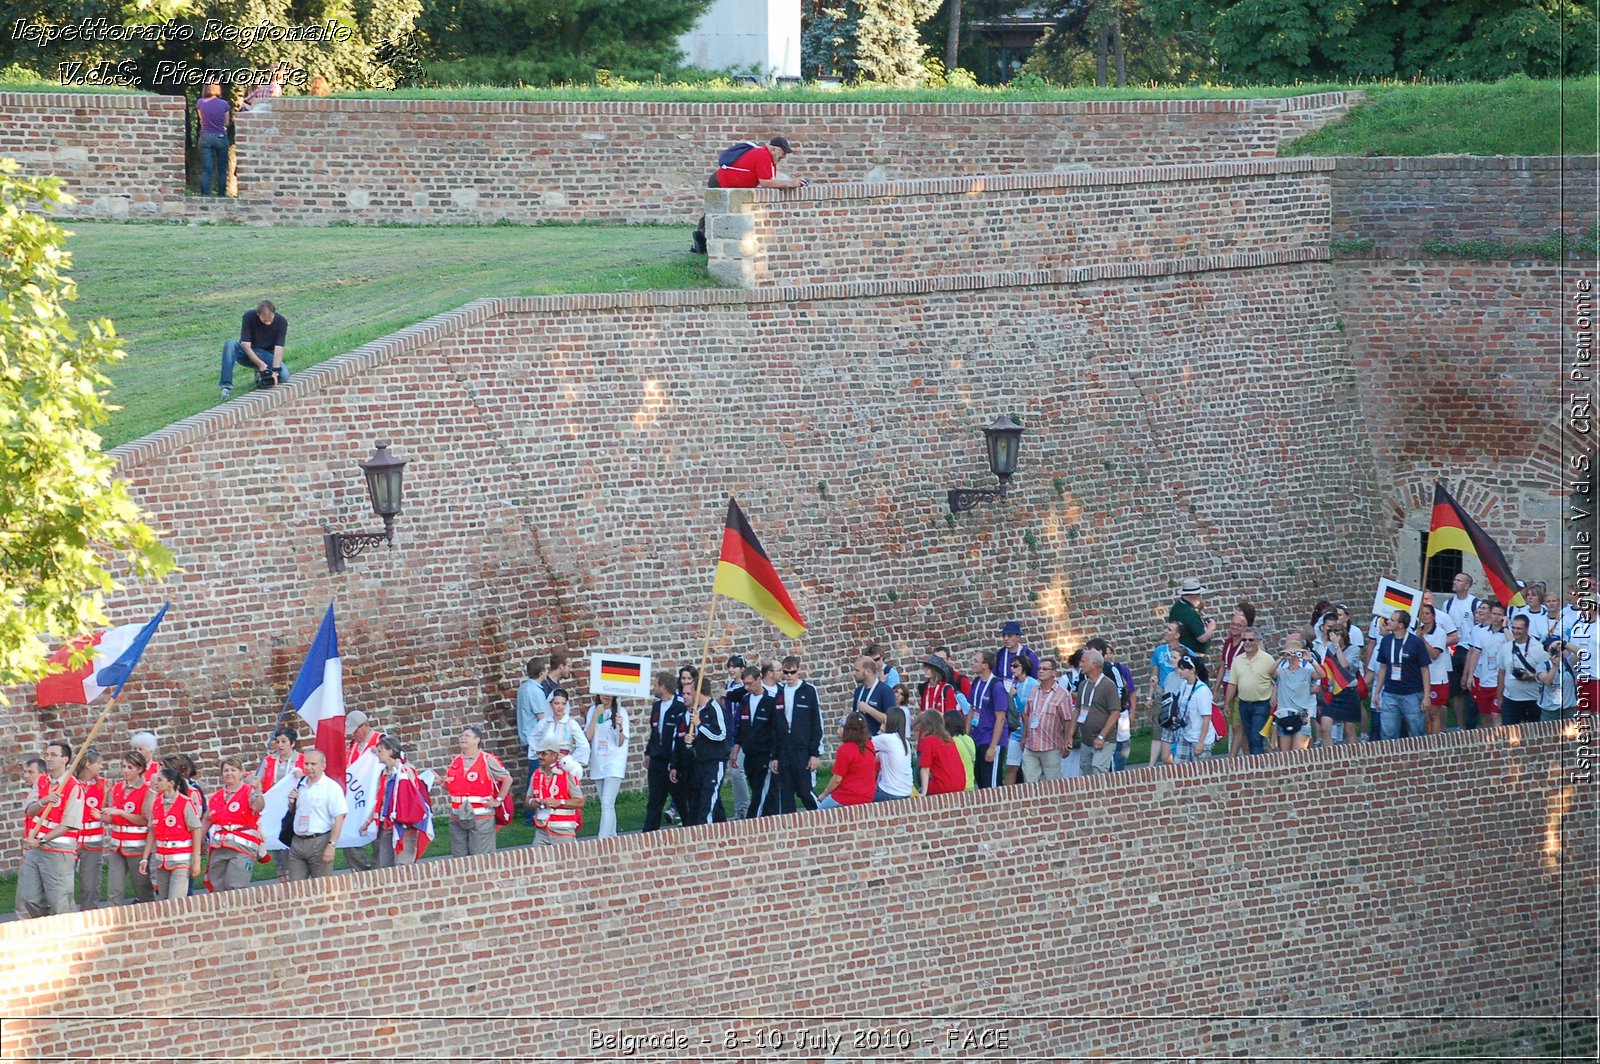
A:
(116, 652)
(1392, 598)
(1338, 679)
(318, 695)
(1453, 529)
(614, 671)
(745, 573)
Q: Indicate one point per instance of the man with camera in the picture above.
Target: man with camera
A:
(1521, 660)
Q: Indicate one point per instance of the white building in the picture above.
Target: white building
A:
(761, 37)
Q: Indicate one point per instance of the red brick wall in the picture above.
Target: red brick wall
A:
(1460, 365)
(314, 161)
(1016, 222)
(1399, 204)
(1295, 903)
(120, 155)
(572, 457)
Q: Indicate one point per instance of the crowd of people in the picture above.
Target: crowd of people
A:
(1014, 715)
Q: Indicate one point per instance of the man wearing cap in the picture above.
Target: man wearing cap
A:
(555, 799)
(1011, 647)
(1197, 632)
(758, 168)
(363, 737)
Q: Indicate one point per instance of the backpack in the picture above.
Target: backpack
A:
(1174, 715)
(731, 154)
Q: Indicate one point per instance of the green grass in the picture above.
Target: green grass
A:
(1517, 116)
(175, 293)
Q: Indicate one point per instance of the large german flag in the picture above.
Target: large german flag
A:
(745, 573)
(1453, 529)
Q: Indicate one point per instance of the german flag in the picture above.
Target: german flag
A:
(1395, 599)
(1338, 679)
(1453, 529)
(745, 573)
(613, 671)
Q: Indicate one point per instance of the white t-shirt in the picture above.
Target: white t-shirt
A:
(1562, 691)
(608, 754)
(1539, 624)
(1459, 610)
(316, 805)
(1439, 667)
(1197, 704)
(894, 763)
(1523, 690)
(1488, 643)
(1569, 617)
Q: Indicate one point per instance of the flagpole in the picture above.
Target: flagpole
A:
(72, 769)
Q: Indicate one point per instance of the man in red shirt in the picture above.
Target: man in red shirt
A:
(756, 168)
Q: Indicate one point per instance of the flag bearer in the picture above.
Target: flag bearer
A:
(52, 849)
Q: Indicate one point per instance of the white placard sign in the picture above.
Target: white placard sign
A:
(620, 675)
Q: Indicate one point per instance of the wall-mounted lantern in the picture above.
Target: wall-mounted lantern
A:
(383, 472)
(1001, 438)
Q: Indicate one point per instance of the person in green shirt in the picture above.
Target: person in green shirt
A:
(956, 725)
(1197, 631)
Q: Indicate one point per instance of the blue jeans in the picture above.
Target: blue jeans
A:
(1253, 717)
(829, 803)
(884, 796)
(213, 163)
(1392, 706)
(233, 355)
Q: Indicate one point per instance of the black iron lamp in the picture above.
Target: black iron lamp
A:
(1001, 439)
(384, 473)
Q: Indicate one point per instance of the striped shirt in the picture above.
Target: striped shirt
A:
(1044, 721)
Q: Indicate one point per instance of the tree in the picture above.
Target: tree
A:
(65, 522)
(828, 38)
(545, 41)
(1340, 40)
(1093, 38)
(889, 46)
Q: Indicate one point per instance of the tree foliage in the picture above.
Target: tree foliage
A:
(64, 521)
(375, 53)
(1105, 41)
(867, 40)
(1323, 40)
(541, 42)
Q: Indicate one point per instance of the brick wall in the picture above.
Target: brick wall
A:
(1460, 367)
(314, 161)
(1303, 904)
(581, 505)
(1021, 221)
(120, 155)
(1399, 204)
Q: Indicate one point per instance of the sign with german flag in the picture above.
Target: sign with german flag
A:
(745, 573)
(620, 675)
(1393, 595)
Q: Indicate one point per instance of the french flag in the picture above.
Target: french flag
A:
(318, 696)
(116, 652)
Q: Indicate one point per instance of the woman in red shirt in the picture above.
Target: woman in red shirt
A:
(938, 693)
(855, 767)
(938, 760)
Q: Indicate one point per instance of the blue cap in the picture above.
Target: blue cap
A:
(1012, 628)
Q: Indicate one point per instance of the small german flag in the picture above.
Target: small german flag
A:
(1454, 529)
(1395, 599)
(1338, 679)
(613, 671)
(745, 573)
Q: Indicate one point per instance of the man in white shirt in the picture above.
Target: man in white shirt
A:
(1522, 658)
(1460, 608)
(1571, 613)
(1483, 665)
(319, 810)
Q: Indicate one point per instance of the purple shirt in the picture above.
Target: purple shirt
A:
(213, 116)
(989, 704)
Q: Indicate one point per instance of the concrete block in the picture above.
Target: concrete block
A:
(729, 226)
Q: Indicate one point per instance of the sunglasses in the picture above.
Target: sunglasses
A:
(791, 672)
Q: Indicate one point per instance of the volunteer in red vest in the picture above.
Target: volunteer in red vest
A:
(52, 848)
(399, 809)
(145, 743)
(556, 799)
(282, 759)
(126, 825)
(758, 168)
(32, 769)
(232, 829)
(172, 841)
(363, 737)
(478, 783)
(92, 838)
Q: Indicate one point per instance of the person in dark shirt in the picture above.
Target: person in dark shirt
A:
(214, 113)
(262, 334)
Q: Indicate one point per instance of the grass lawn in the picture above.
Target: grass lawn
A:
(176, 292)
(1517, 116)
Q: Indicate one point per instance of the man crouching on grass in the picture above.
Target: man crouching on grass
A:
(262, 334)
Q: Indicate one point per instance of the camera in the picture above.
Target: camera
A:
(1522, 674)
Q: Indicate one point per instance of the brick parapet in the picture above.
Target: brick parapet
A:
(1150, 885)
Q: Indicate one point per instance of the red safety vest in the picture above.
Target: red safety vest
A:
(47, 819)
(471, 786)
(128, 839)
(150, 769)
(92, 835)
(269, 775)
(174, 837)
(357, 749)
(557, 786)
(238, 827)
